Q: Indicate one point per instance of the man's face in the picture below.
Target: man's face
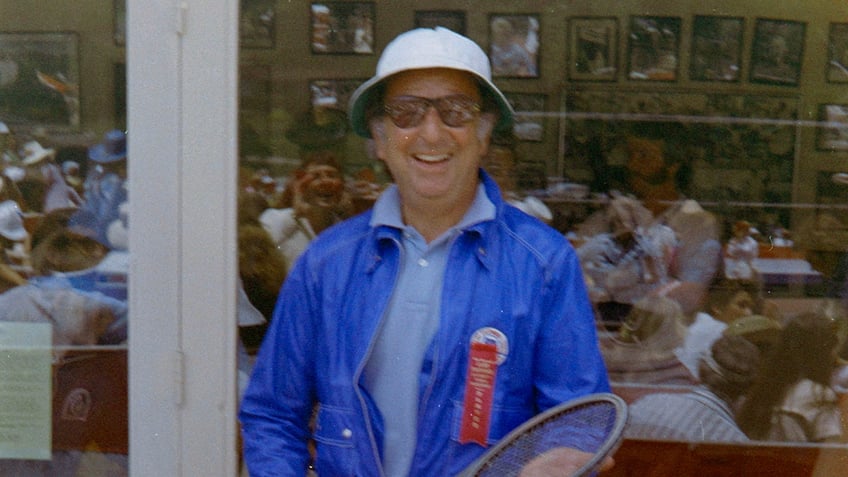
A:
(431, 161)
(323, 185)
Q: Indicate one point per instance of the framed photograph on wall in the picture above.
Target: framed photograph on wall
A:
(257, 23)
(837, 53)
(514, 45)
(593, 48)
(342, 28)
(529, 115)
(450, 19)
(832, 130)
(333, 93)
(716, 48)
(653, 48)
(777, 52)
(39, 79)
(119, 20)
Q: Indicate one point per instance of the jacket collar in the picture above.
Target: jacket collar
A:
(479, 237)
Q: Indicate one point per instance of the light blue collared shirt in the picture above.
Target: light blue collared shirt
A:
(409, 324)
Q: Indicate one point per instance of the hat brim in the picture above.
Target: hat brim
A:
(15, 235)
(363, 96)
(97, 153)
(36, 158)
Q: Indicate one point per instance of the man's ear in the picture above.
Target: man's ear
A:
(379, 141)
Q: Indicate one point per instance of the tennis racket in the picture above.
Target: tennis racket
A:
(592, 424)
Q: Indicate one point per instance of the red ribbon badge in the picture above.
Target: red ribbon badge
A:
(479, 389)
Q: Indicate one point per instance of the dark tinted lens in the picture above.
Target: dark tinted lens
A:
(456, 111)
(409, 111)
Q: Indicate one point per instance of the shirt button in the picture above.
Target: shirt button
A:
(423, 262)
(347, 433)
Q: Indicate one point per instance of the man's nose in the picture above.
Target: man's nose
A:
(431, 125)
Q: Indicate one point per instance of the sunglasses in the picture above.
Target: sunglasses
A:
(409, 111)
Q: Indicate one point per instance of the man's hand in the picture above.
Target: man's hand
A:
(561, 462)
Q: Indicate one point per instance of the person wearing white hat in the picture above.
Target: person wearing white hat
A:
(12, 232)
(385, 318)
(44, 185)
(33, 153)
(8, 146)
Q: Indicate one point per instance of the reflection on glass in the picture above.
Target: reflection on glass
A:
(64, 253)
(701, 215)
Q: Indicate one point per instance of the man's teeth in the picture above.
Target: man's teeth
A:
(431, 157)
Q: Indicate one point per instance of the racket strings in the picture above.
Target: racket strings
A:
(584, 427)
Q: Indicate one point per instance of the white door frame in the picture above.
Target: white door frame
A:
(182, 58)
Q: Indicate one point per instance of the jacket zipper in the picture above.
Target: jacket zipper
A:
(361, 367)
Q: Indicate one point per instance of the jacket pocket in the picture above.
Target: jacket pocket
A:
(334, 438)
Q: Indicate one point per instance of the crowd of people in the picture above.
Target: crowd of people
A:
(63, 259)
(56, 228)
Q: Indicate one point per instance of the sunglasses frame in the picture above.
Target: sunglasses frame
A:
(461, 104)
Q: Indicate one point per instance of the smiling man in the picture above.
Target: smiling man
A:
(409, 339)
(318, 200)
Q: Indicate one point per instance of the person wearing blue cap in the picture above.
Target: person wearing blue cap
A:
(409, 339)
(105, 190)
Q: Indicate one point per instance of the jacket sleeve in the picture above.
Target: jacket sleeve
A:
(278, 402)
(569, 362)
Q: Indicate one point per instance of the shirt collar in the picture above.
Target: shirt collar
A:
(387, 210)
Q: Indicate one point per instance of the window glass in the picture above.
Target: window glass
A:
(691, 154)
(63, 239)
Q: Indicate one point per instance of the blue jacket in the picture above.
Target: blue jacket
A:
(512, 273)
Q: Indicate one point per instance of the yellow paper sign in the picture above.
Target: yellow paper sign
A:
(25, 390)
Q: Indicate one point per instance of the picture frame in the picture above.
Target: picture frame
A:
(716, 48)
(334, 93)
(514, 45)
(529, 119)
(257, 23)
(39, 79)
(837, 53)
(451, 19)
(832, 130)
(777, 52)
(828, 228)
(653, 48)
(119, 30)
(751, 160)
(342, 28)
(593, 48)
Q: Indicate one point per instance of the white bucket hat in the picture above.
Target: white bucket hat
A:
(428, 48)
(34, 153)
(11, 221)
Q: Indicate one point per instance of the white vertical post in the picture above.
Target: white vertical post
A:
(182, 110)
